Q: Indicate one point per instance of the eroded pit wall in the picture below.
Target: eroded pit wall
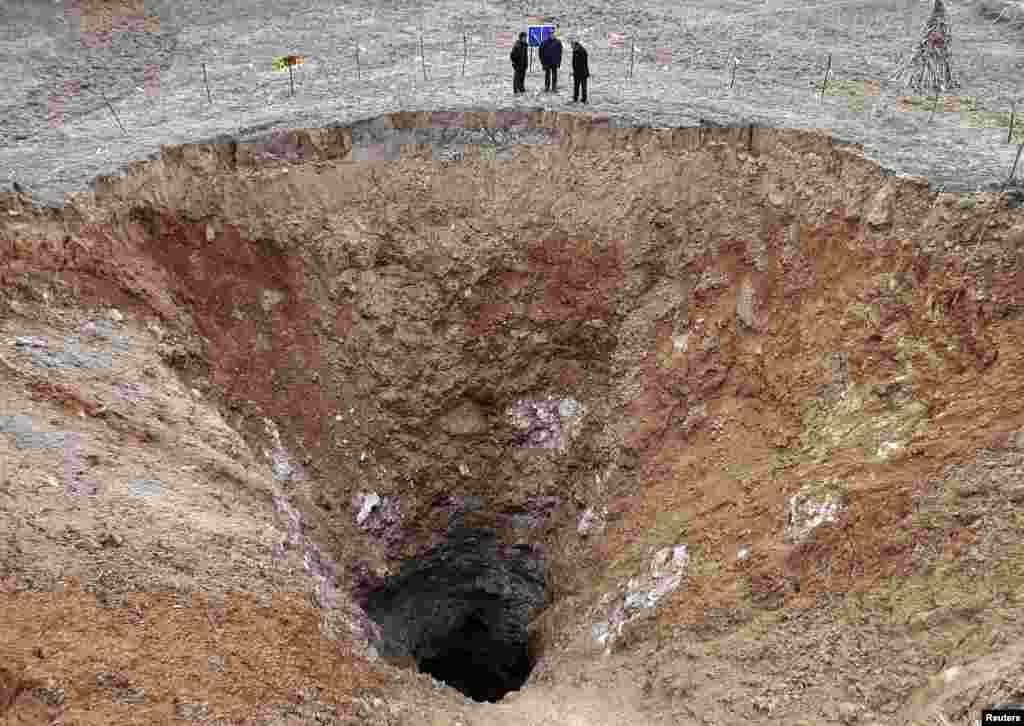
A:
(391, 309)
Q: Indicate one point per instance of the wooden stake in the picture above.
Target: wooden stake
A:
(423, 58)
(113, 112)
(1013, 113)
(359, 72)
(207, 84)
(824, 83)
(735, 65)
(291, 79)
(1013, 170)
(465, 51)
(1006, 185)
(632, 44)
(935, 105)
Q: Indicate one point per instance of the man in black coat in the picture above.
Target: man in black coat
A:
(542, 55)
(580, 71)
(551, 59)
(519, 60)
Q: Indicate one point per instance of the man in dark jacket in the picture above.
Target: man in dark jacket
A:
(542, 55)
(551, 59)
(519, 60)
(580, 71)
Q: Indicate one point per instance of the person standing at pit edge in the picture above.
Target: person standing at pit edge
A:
(551, 59)
(519, 60)
(580, 71)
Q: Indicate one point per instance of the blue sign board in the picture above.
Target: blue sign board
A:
(537, 34)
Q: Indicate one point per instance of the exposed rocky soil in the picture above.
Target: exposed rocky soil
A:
(750, 403)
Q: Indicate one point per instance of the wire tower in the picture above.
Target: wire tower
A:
(929, 69)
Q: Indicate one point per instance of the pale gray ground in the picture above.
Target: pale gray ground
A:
(782, 51)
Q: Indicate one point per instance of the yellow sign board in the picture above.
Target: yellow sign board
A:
(282, 62)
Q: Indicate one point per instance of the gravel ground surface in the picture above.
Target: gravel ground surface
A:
(72, 67)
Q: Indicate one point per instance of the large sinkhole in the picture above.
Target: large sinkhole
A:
(461, 612)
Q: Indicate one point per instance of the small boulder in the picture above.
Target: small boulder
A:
(881, 210)
(467, 419)
(1016, 236)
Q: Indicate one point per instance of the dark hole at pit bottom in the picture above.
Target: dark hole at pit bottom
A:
(472, 660)
(462, 613)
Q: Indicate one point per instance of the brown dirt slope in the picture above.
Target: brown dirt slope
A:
(748, 319)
